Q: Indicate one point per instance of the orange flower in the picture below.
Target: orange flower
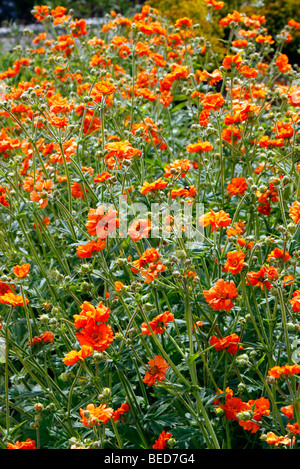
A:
(232, 61)
(90, 315)
(213, 101)
(215, 4)
(278, 254)
(45, 338)
(219, 297)
(153, 186)
(181, 166)
(235, 262)
(162, 440)
(295, 212)
(230, 343)
(295, 302)
(235, 17)
(231, 134)
(237, 186)
(287, 370)
(73, 357)
(97, 336)
(149, 256)
(120, 411)
(158, 369)
(41, 12)
(282, 63)
(152, 271)
(3, 196)
(118, 286)
(102, 88)
(96, 415)
(101, 223)
(139, 229)
(21, 271)
(215, 219)
(233, 406)
(86, 250)
(258, 278)
(275, 440)
(187, 191)
(239, 229)
(120, 150)
(259, 407)
(199, 146)
(158, 324)
(186, 22)
(28, 444)
(13, 300)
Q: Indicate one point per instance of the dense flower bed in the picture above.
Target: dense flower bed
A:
(149, 244)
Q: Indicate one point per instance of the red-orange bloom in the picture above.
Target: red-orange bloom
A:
(162, 440)
(139, 229)
(21, 271)
(237, 186)
(158, 324)
(287, 370)
(101, 223)
(158, 370)
(213, 101)
(153, 186)
(120, 411)
(295, 212)
(282, 63)
(220, 296)
(45, 338)
(199, 146)
(28, 444)
(95, 415)
(279, 254)
(275, 440)
(97, 336)
(295, 301)
(235, 262)
(90, 315)
(73, 357)
(215, 219)
(12, 299)
(230, 343)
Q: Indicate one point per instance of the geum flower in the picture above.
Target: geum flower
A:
(157, 372)
(220, 296)
(86, 250)
(100, 223)
(162, 440)
(230, 343)
(295, 301)
(45, 338)
(286, 370)
(139, 229)
(215, 219)
(120, 411)
(13, 300)
(235, 262)
(237, 186)
(28, 444)
(158, 324)
(90, 315)
(74, 356)
(21, 271)
(294, 212)
(92, 415)
(97, 336)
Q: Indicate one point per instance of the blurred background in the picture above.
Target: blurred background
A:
(277, 13)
